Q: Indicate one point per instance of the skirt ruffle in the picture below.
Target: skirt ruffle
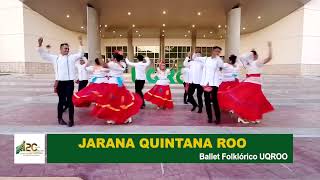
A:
(88, 94)
(225, 86)
(160, 95)
(116, 104)
(247, 101)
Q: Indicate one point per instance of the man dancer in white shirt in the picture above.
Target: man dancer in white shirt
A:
(195, 73)
(211, 80)
(83, 76)
(140, 79)
(64, 67)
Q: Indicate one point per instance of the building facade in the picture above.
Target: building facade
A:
(295, 37)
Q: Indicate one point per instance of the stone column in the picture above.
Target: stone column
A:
(162, 38)
(233, 32)
(130, 47)
(193, 40)
(93, 38)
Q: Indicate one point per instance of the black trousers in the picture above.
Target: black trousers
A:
(139, 84)
(214, 100)
(65, 92)
(82, 84)
(185, 95)
(191, 90)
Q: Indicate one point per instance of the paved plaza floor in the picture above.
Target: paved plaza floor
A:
(28, 105)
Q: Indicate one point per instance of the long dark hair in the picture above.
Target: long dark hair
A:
(254, 52)
(97, 61)
(117, 56)
(233, 59)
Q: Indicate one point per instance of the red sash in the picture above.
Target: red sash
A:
(253, 75)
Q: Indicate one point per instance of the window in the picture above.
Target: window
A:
(176, 55)
(111, 49)
(153, 52)
(205, 51)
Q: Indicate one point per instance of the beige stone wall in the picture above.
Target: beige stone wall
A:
(26, 67)
(279, 69)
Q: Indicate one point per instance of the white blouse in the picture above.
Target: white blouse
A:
(230, 72)
(252, 67)
(163, 77)
(98, 74)
(116, 71)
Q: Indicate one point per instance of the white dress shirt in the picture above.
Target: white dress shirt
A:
(98, 74)
(163, 77)
(211, 74)
(186, 70)
(64, 65)
(195, 71)
(82, 72)
(116, 71)
(140, 68)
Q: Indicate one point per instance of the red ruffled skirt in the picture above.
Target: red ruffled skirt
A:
(247, 100)
(89, 94)
(225, 86)
(116, 104)
(160, 95)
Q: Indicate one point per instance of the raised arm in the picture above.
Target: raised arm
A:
(43, 53)
(86, 61)
(268, 59)
(148, 62)
(130, 63)
(80, 54)
(186, 62)
(197, 57)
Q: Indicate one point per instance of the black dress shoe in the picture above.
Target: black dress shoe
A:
(217, 121)
(185, 102)
(71, 123)
(210, 121)
(200, 110)
(62, 122)
(194, 108)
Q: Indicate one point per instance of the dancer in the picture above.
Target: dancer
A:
(247, 99)
(64, 67)
(195, 73)
(98, 82)
(116, 104)
(83, 76)
(55, 84)
(230, 72)
(210, 81)
(160, 94)
(140, 79)
(185, 75)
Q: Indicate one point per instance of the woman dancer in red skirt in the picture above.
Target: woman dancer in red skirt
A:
(116, 104)
(98, 83)
(230, 73)
(160, 94)
(247, 99)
